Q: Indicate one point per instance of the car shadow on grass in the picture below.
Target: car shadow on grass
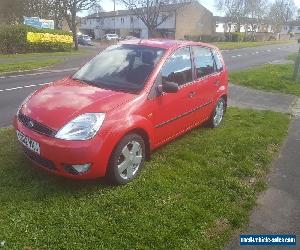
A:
(38, 184)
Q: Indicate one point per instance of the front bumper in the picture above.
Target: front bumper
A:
(55, 154)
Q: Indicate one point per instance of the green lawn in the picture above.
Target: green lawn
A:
(192, 195)
(239, 45)
(28, 65)
(276, 78)
(45, 54)
(292, 57)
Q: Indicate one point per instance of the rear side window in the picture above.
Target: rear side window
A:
(204, 62)
(218, 61)
(178, 67)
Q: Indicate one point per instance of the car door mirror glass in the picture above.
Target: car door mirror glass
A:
(168, 87)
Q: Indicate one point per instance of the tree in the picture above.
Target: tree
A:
(234, 10)
(38, 8)
(153, 12)
(57, 13)
(281, 12)
(257, 11)
(97, 8)
(70, 9)
(11, 11)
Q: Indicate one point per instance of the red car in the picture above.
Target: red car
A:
(130, 99)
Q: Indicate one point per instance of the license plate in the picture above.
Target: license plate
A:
(28, 142)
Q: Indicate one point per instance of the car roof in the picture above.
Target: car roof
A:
(166, 43)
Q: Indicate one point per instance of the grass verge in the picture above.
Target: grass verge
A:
(192, 195)
(239, 45)
(21, 66)
(276, 78)
(292, 57)
(46, 54)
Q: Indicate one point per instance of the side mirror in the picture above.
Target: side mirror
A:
(168, 87)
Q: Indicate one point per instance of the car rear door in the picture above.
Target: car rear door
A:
(207, 81)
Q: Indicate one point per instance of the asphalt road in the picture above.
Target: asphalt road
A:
(15, 88)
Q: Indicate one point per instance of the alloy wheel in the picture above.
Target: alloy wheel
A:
(129, 160)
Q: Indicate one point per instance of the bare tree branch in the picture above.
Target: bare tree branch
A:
(153, 12)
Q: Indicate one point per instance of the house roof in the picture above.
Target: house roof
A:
(222, 19)
(169, 7)
(294, 23)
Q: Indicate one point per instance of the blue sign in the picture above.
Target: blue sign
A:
(267, 240)
(39, 23)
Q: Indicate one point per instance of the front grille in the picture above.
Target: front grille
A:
(39, 160)
(35, 126)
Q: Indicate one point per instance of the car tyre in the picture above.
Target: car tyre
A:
(217, 115)
(127, 159)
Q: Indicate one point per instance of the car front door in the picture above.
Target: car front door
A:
(172, 112)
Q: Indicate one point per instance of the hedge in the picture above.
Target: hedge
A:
(235, 37)
(15, 39)
(224, 37)
(204, 38)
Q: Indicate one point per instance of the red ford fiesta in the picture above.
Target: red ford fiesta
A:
(130, 99)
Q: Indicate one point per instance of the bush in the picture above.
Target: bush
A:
(204, 38)
(14, 39)
(234, 37)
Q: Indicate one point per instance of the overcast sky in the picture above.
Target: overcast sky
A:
(209, 4)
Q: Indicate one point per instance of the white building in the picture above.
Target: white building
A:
(291, 27)
(223, 25)
(122, 22)
(189, 18)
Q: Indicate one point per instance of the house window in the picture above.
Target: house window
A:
(122, 19)
(298, 28)
(164, 17)
(131, 19)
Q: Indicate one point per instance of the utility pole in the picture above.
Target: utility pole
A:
(115, 16)
(297, 65)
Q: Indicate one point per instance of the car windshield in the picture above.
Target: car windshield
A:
(121, 67)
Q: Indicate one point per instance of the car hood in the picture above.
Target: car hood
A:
(58, 103)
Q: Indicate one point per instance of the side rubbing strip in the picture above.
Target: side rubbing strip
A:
(182, 115)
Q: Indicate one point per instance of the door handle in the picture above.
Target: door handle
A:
(218, 83)
(192, 94)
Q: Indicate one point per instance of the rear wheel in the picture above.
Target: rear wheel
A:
(127, 159)
(218, 114)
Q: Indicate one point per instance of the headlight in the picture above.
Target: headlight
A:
(81, 128)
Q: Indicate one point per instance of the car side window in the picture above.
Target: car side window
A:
(178, 67)
(218, 61)
(204, 62)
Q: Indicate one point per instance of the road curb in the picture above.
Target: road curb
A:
(295, 107)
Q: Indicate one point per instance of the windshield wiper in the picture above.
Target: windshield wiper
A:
(85, 81)
(105, 86)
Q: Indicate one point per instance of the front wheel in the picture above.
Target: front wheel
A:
(218, 113)
(127, 159)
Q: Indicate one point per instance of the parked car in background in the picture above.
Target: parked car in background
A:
(111, 37)
(129, 100)
(130, 37)
(85, 40)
